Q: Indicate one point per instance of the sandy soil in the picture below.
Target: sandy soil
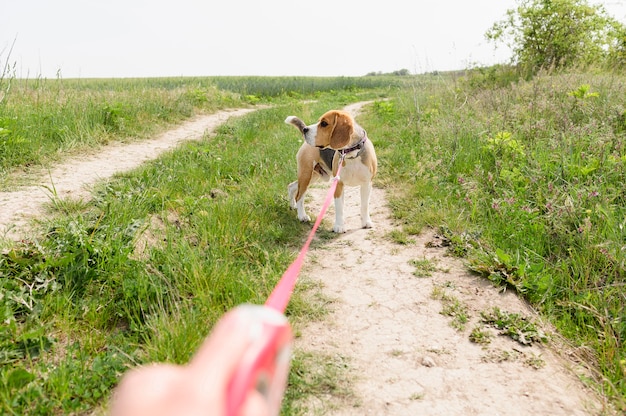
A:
(401, 354)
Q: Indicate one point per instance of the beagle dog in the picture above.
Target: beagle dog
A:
(335, 138)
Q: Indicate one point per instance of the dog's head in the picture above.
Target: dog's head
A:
(333, 130)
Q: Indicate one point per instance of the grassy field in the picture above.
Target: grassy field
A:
(42, 121)
(525, 180)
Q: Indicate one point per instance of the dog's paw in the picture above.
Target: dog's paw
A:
(338, 229)
(367, 224)
(296, 122)
(304, 218)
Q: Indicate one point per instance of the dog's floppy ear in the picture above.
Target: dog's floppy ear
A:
(342, 131)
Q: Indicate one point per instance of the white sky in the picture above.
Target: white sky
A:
(145, 38)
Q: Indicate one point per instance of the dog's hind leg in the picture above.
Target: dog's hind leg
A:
(296, 201)
(292, 189)
(299, 189)
(302, 215)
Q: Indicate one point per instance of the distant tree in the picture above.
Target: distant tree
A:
(559, 34)
(400, 72)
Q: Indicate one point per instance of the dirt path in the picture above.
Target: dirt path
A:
(75, 177)
(401, 354)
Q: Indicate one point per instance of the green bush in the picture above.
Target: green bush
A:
(548, 34)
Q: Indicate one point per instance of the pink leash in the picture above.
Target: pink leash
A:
(265, 365)
(279, 298)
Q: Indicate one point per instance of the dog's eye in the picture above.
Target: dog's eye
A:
(323, 123)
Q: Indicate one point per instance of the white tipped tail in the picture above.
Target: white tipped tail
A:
(296, 122)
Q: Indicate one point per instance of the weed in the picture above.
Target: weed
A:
(438, 293)
(535, 361)
(400, 237)
(7, 74)
(452, 307)
(458, 311)
(503, 144)
(385, 109)
(423, 268)
(516, 326)
(500, 268)
(459, 244)
(582, 93)
(416, 396)
(480, 336)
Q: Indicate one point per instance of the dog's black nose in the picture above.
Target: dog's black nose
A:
(304, 130)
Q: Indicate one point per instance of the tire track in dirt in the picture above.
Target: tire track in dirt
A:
(75, 177)
(402, 355)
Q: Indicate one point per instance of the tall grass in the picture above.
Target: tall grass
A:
(527, 182)
(302, 87)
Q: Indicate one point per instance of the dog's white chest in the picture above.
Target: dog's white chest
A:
(355, 173)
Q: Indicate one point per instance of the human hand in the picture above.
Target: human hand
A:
(199, 388)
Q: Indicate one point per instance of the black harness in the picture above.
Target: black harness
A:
(327, 156)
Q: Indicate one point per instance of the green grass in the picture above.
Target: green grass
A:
(525, 180)
(302, 87)
(115, 310)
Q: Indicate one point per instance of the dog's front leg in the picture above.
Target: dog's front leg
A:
(338, 227)
(366, 190)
